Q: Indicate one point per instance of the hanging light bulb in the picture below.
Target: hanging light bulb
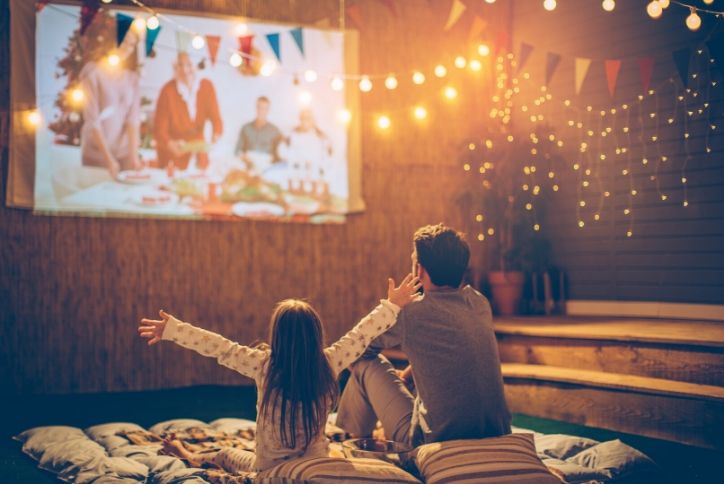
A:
(475, 65)
(383, 122)
(198, 42)
(365, 85)
(489, 1)
(484, 50)
(305, 98)
(106, 1)
(152, 23)
(268, 68)
(665, 3)
(235, 59)
(418, 77)
(139, 24)
(693, 21)
(549, 5)
(708, 2)
(310, 75)
(420, 112)
(460, 62)
(337, 83)
(241, 29)
(344, 116)
(608, 5)
(440, 70)
(114, 60)
(391, 82)
(654, 9)
(33, 118)
(77, 95)
(450, 92)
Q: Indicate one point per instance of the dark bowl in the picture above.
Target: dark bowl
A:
(395, 453)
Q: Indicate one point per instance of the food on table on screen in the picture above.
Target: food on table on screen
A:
(196, 146)
(257, 209)
(154, 200)
(239, 186)
(187, 187)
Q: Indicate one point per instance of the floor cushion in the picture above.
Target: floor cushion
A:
(328, 470)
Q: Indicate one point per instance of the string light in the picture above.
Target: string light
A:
(106, 1)
(450, 92)
(391, 82)
(418, 77)
(365, 85)
(235, 59)
(152, 23)
(33, 118)
(549, 5)
(114, 60)
(305, 98)
(139, 24)
(383, 122)
(77, 95)
(344, 116)
(665, 3)
(310, 75)
(484, 50)
(460, 62)
(420, 112)
(268, 68)
(654, 9)
(337, 83)
(440, 70)
(608, 5)
(198, 42)
(693, 21)
(475, 65)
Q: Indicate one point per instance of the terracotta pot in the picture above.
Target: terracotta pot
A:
(507, 290)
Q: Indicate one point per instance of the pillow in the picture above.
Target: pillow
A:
(617, 458)
(559, 446)
(37, 439)
(510, 458)
(232, 425)
(112, 469)
(574, 473)
(177, 425)
(329, 470)
(67, 458)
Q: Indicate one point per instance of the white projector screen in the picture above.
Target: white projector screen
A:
(218, 117)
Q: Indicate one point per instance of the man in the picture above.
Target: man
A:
(184, 106)
(259, 139)
(449, 339)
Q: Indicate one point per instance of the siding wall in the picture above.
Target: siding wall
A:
(676, 254)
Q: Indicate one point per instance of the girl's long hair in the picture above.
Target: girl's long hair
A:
(300, 384)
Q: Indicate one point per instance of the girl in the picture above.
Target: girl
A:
(295, 377)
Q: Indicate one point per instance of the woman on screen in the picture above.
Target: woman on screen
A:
(308, 150)
(111, 101)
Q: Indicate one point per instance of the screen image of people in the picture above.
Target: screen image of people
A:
(191, 119)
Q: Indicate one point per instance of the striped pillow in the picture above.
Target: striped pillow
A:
(328, 470)
(510, 459)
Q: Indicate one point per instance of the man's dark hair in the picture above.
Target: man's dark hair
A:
(443, 252)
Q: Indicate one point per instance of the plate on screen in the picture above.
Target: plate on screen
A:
(135, 177)
(257, 209)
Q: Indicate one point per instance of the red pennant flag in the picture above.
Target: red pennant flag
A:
(390, 4)
(245, 46)
(212, 44)
(87, 14)
(646, 68)
(502, 42)
(612, 68)
(355, 16)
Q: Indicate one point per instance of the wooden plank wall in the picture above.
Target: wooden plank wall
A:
(675, 254)
(72, 289)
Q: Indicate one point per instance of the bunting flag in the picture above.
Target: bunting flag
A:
(477, 28)
(646, 68)
(245, 46)
(273, 40)
(151, 36)
(551, 65)
(183, 40)
(355, 16)
(681, 59)
(123, 23)
(581, 68)
(502, 42)
(212, 44)
(298, 36)
(716, 51)
(456, 11)
(391, 6)
(525, 51)
(613, 66)
(87, 14)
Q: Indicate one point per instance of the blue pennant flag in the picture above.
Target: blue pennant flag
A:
(274, 43)
(151, 36)
(298, 38)
(123, 23)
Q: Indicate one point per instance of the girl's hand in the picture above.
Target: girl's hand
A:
(152, 329)
(405, 292)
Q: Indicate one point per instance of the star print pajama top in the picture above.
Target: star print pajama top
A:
(253, 363)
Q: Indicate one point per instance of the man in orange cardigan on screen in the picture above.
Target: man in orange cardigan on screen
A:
(184, 106)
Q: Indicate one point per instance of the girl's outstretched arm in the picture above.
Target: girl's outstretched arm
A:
(243, 359)
(351, 346)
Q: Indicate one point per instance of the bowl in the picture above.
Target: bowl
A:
(395, 453)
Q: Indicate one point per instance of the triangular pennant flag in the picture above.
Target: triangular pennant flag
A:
(502, 42)
(477, 28)
(525, 51)
(273, 40)
(40, 5)
(151, 36)
(716, 51)
(123, 23)
(245, 46)
(552, 60)
(390, 4)
(581, 68)
(183, 40)
(456, 10)
(681, 59)
(212, 44)
(612, 68)
(298, 36)
(355, 16)
(87, 14)
(646, 68)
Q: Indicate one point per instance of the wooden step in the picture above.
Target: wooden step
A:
(679, 411)
(690, 351)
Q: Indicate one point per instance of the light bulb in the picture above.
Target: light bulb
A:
(235, 59)
(365, 85)
(693, 21)
(268, 68)
(460, 62)
(383, 122)
(420, 112)
(475, 65)
(77, 95)
(484, 50)
(708, 2)
(337, 83)
(310, 75)
(241, 29)
(106, 1)
(305, 98)
(139, 24)
(418, 77)
(450, 92)
(608, 5)
(549, 5)
(344, 116)
(152, 23)
(391, 82)
(666, 3)
(489, 1)
(33, 118)
(440, 70)
(114, 60)
(198, 42)
(654, 9)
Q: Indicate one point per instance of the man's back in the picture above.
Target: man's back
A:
(448, 336)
